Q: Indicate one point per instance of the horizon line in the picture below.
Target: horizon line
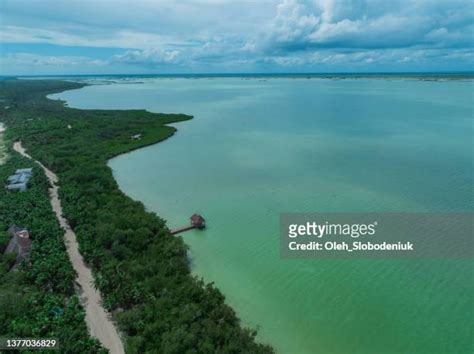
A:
(471, 72)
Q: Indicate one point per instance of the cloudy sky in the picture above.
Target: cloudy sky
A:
(220, 36)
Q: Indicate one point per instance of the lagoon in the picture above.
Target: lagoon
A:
(260, 147)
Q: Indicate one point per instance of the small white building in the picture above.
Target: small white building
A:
(19, 180)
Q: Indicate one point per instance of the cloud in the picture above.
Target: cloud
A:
(81, 37)
(442, 37)
(27, 59)
(33, 64)
(302, 25)
(221, 35)
(148, 57)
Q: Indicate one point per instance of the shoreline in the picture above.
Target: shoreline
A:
(144, 242)
(423, 76)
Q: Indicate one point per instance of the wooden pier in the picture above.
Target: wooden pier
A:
(197, 222)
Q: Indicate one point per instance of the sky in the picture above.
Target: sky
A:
(62, 37)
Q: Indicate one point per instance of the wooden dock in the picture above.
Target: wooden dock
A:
(197, 222)
(182, 229)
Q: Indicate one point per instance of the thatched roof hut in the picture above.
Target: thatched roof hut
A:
(198, 221)
(20, 243)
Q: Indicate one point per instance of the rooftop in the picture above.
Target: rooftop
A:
(20, 243)
(19, 180)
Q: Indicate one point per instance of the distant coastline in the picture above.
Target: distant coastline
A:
(426, 76)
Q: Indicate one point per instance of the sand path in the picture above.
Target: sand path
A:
(3, 154)
(97, 319)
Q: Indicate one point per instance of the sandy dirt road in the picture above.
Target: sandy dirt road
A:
(3, 154)
(97, 319)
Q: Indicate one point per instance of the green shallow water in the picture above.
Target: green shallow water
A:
(257, 148)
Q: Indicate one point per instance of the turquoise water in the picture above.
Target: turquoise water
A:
(257, 148)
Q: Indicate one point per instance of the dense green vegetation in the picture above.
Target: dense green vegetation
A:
(38, 300)
(141, 270)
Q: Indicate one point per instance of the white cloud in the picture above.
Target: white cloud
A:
(221, 34)
(148, 57)
(116, 39)
(300, 25)
(293, 22)
(28, 59)
(443, 37)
